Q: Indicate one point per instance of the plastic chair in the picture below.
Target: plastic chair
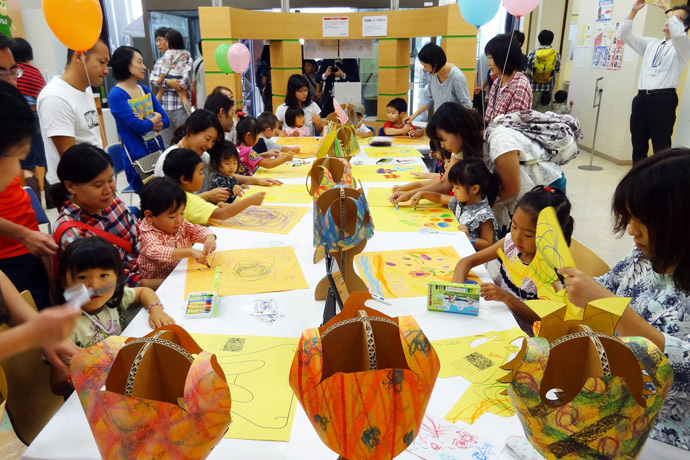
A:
(135, 211)
(41, 215)
(30, 402)
(370, 128)
(381, 131)
(586, 260)
(115, 152)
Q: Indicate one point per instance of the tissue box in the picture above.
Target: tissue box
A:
(454, 298)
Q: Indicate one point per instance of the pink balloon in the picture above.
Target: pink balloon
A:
(520, 8)
(238, 57)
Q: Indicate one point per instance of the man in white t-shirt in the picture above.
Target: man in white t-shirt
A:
(66, 108)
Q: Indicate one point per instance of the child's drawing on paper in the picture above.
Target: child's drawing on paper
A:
(386, 173)
(441, 440)
(247, 271)
(267, 219)
(407, 219)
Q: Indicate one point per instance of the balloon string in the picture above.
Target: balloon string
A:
(83, 61)
(507, 54)
(481, 78)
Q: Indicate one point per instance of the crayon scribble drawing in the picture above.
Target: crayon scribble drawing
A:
(257, 371)
(247, 271)
(391, 152)
(283, 194)
(479, 399)
(386, 172)
(406, 272)
(406, 219)
(441, 440)
(286, 170)
(267, 219)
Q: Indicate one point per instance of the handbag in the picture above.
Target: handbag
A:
(164, 396)
(146, 165)
(364, 380)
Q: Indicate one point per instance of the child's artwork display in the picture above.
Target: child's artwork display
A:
(441, 440)
(266, 219)
(257, 370)
(300, 141)
(283, 194)
(407, 219)
(405, 273)
(391, 152)
(247, 271)
(386, 172)
(292, 169)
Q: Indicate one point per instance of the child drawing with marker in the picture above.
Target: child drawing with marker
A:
(405, 193)
(96, 264)
(165, 236)
(475, 190)
(520, 244)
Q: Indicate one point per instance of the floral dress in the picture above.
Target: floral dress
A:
(656, 298)
(96, 326)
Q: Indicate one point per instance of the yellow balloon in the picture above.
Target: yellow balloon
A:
(76, 23)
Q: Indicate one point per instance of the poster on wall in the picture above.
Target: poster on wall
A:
(605, 10)
(336, 27)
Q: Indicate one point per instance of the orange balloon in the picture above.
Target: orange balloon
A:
(76, 23)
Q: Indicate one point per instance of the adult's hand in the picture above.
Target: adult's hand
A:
(39, 244)
(339, 73)
(217, 195)
(582, 288)
(328, 72)
(662, 4)
(638, 5)
(268, 182)
(157, 120)
(316, 119)
(51, 327)
(409, 119)
(174, 84)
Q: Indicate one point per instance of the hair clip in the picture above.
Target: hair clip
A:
(549, 189)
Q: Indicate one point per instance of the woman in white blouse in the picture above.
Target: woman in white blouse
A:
(298, 96)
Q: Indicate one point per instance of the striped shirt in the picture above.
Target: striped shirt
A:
(514, 97)
(454, 89)
(531, 59)
(115, 219)
(171, 101)
(30, 83)
(155, 259)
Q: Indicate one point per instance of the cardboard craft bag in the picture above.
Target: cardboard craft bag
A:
(164, 396)
(342, 219)
(326, 173)
(364, 380)
(580, 392)
(339, 139)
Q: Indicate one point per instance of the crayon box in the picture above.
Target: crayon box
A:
(454, 298)
(201, 305)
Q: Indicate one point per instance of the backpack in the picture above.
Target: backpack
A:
(544, 65)
(557, 134)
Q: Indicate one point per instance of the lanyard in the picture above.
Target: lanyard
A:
(658, 56)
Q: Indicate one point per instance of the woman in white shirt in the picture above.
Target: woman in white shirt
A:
(298, 96)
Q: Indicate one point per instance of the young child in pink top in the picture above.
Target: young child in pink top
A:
(165, 236)
(294, 123)
(247, 137)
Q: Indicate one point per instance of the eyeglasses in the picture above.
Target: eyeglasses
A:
(12, 73)
(303, 90)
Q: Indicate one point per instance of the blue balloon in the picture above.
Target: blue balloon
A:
(478, 12)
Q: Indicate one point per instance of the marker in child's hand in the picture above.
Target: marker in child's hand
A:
(395, 202)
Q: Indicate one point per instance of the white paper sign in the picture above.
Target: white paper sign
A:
(336, 27)
(374, 26)
(360, 48)
(320, 49)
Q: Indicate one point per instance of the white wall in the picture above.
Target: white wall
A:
(50, 55)
(613, 138)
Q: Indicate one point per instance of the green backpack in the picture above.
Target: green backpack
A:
(544, 65)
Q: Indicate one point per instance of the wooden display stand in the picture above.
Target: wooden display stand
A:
(284, 30)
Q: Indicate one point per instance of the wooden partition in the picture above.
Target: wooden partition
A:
(225, 25)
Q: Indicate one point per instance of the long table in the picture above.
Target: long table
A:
(68, 436)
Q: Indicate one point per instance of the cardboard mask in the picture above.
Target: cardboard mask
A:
(159, 399)
(581, 392)
(364, 379)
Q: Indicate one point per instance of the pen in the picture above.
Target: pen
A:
(379, 298)
(395, 201)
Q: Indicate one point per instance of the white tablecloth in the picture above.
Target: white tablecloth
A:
(68, 436)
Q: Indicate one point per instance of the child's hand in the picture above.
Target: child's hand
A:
(268, 182)
(159, 318)
(416, 198)
(295, 134)
(198, 255)
(406, 128)
(571, 104)
(316, 119)
(270, 154)
(463, 228)
(209, 244)
(396, 187)
(400, 197)
(256, 199)
(289, 156)
(237, 190)
(492, 292)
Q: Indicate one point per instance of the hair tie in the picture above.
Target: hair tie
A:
(549, 189)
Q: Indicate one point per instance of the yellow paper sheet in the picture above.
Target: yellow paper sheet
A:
(284, 194)
(407, 219)
(286, 170)
(287, 140)
(247, 271)
(379, 196)
(257, 370)
(477, 364)
(479, 399)
(265, 219)
(406, 272)
(386, 173)
(306, 151)
(405, 140)
(391, 152)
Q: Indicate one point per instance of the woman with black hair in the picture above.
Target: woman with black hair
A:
(139, 129)
(298, 96)
(176, 63)
(652, 202)
(446, 84)
(512, 92)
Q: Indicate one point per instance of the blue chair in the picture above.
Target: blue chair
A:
(381, 131)
(115, 152)
(371, 128)
(41, 215)
(136, 212)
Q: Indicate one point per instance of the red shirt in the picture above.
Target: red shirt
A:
(15, 206)
(31, 82)
(388, 124)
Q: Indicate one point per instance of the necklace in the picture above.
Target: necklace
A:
(99, 325)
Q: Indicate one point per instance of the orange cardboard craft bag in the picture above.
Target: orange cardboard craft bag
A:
(164, 396)
(364, 380)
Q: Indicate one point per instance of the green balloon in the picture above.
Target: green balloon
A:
(222, 58)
